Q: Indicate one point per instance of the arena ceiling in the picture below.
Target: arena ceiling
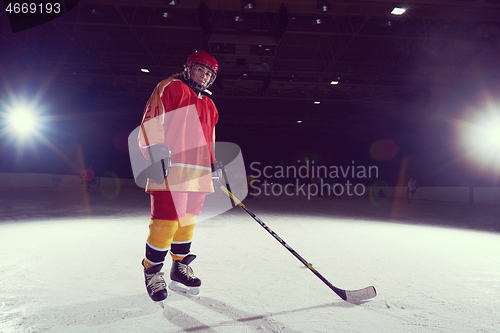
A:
(276, 59)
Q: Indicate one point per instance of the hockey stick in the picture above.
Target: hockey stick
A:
(353, 296)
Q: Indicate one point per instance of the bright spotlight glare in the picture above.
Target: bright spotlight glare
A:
(23, 122)
(492, 136)
(484, 139)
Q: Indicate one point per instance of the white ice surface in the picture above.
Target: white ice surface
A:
(71, 263)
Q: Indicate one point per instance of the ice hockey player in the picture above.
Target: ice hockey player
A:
(87, 175)
(179, 198)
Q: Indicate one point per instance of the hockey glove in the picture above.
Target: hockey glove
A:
(160, 157)
(217, 175)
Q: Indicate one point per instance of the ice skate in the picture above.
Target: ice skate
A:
(183, 279)
(155, 283)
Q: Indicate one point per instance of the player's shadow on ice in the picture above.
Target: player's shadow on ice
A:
(236, 317)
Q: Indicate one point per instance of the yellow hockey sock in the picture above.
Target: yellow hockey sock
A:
(161, 234)
(181, 242)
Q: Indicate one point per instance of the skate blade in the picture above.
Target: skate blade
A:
(179, 287)
(161, 304)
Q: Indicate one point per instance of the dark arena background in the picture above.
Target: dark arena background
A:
(368, 93)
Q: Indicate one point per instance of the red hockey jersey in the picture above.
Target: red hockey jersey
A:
(177, 117)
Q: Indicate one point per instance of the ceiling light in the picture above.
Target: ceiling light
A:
(172, 2)
(248, 4)
(318, 21)
(322, 7)
(144, 70)
(317, 102)
(238, 18)
(299, 121)
(398, 11)
(334, 81)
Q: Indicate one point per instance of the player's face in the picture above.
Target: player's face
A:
(201, 74)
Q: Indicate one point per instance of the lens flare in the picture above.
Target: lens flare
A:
(110, 185)
(383, 150)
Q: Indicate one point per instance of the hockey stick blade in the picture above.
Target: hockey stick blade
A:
(352, 296)
(358, 296)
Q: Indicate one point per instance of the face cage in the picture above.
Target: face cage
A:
(192, 83)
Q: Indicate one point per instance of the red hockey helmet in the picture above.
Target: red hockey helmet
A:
(204, 59)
